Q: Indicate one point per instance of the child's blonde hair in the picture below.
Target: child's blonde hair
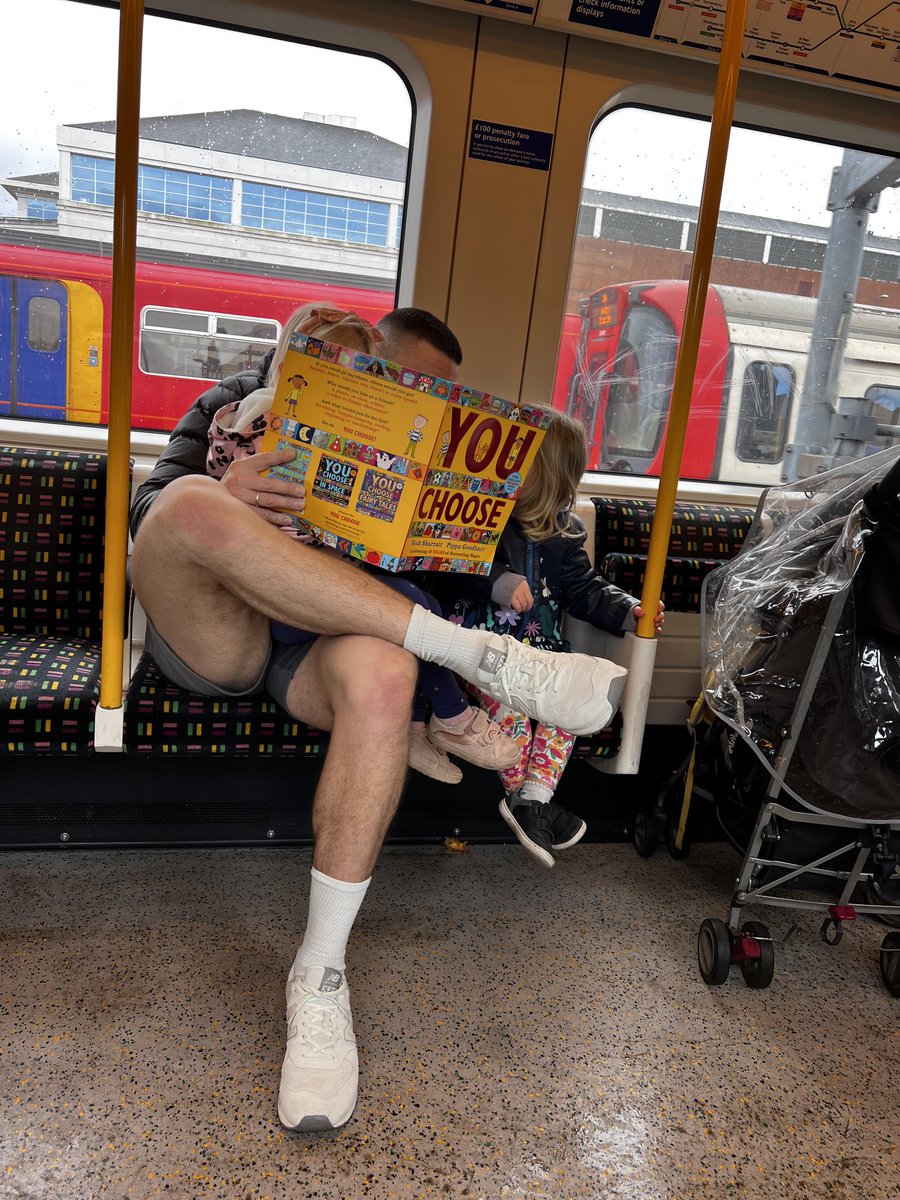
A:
(543, 507)
(331, 325)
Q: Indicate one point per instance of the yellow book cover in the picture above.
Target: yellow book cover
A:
(401, 469)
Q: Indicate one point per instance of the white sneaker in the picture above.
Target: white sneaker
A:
(320, 1072)
(576, 692)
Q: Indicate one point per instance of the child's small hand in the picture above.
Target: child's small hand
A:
(658, 621)
(521, 600)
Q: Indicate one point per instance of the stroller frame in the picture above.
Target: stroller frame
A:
(748, 944)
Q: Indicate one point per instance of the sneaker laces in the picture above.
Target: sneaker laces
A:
(539, 675)
(314, 1020)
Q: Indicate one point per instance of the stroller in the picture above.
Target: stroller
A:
(797, 731)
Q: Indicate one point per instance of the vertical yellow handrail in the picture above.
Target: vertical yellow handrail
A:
(720, 131)
(131, 19)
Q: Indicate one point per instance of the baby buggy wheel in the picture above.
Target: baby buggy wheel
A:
(758, 972)
(890, 962)
(644, 832)
(714, 951)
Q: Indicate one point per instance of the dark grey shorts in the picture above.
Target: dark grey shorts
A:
(274, 678)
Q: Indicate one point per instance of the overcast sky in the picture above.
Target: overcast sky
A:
(195, 69)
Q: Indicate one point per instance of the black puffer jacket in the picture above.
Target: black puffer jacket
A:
(189, 441)
(561, 579)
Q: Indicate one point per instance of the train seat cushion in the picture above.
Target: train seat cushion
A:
(51, 542)
(162, 719)
(699, 531)
(682, 578)
(603, 744)
(50, 689)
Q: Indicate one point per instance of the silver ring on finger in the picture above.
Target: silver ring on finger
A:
(256, 501)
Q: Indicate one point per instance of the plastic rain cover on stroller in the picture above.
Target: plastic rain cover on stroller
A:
(801, 639)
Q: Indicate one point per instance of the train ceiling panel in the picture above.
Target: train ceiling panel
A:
(853, 46)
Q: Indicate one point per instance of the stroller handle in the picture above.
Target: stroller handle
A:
(883, 496)
(886, 489)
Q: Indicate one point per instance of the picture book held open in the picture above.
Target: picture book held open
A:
(401, 469)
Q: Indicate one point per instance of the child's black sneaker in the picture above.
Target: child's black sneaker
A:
(567, 828)
(530, 822)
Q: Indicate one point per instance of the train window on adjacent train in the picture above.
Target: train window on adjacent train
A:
(199, 345)
(886, 411)
(639, 386)
(634, 245)
(766, 395)
(44, 323)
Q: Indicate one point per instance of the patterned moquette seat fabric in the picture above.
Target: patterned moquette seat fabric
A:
(51, 595)
(703, 536)
(162, 719)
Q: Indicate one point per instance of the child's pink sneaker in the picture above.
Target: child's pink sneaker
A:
(480, 741)
(428, 759)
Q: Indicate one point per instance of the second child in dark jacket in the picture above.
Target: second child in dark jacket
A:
(541, 571)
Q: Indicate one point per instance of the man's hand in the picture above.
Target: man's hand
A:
(521, 600)
(244, 481)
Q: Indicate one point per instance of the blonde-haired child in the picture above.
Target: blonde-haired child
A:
(541, 571)
(455, 726)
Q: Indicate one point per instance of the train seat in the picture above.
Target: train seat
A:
(162, 719)
(703, 536)
(51, 593)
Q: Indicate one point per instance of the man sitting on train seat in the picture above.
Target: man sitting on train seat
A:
(211, 567)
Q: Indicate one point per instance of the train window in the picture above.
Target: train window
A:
(195, 345)
(766, 395)
(886, 411)
(259, 191)
(44, 323)
(639, 386)
(634, 242)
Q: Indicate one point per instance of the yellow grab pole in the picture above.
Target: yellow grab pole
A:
(131, 19)
(720, 130)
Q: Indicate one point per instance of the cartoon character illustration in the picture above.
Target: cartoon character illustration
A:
(392, 371)
(425, 384)
(415, 434)
(514, 415)
(375, 368)
(513, 452)
(401, 466)
(445, 444)
(367, 455)
(441, 389)
(384, 460)
(298, 383)
(314, 347)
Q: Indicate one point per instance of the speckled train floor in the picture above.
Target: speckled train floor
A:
(523, 1033)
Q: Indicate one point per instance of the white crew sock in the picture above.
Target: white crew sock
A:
(333, 906)
(535, 791)
(430, 637)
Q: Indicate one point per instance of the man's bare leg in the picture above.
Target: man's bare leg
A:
(208, 570)
(361, 689)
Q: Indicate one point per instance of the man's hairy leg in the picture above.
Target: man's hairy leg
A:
(209, 572)
(361, 690)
